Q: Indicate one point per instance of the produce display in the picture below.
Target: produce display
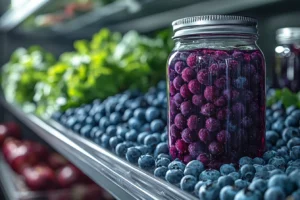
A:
(24, 70)
(217, 105)
(43, 170)
(100, 68)
(133, 126)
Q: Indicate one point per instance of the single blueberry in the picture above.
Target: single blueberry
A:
(209, 174)
(188, 183)
(157, 135)
(152, 113)
(272, 136)
(293, 142)
(247, 194)
(141, 137)
(174, 176)
(163, 155)
(176, 165)
(194, 168)
(275, 172)
(269, 154)
(114, 141)
(103, 123)
(241, 184)
(225, 180)
(278, 126)
(115, 118)
(278, 162)
(247, 172)
(282, 181)
(111, 130)
(234, 175)
(121, 131)
(294, 177)
(274, 193)
(162, 162)
(290, 109)
(134, 123)
(295, 152)
(209, 191)
(151, 141)
(164, 137)
(291, 121)
(258, 160)
(157, 125)
(105, 141)
(144, 149)
(146, 162)
(133, 154)
(245, 160)
(289, 133)
(228, 193)
(121, 149)
(127, 115)
(161, 148)
(160, 172)
(226, 169)
(259, 185)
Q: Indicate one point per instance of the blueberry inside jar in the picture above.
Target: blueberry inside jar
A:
(216, 87)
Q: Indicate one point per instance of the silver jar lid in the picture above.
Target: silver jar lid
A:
(288, 35)
(214, 24)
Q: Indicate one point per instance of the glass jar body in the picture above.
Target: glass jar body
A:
(216, 105)
(287, 66)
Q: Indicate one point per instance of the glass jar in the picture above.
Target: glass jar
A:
(287, 63)
(216, 90)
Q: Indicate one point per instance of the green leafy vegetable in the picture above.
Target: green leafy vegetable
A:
(284, 95)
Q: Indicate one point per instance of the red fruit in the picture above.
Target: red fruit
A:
(188, 74)
(192, 60)
(179, 66)
(40, 177)
(8, 145)
(10, 129)
(208, 110)
(211, 93)
(188, 136)
(69, 175)
(212, 124)
(181, 146)
(186, 108)
(221, 136)
(203, 157)
(178, 82)
(193, 122)
(187, 158)
(198, 100)
(204, 135)
(56, 161)
(38, 149)
(203, 76)
(21, 157)
(215, 148)
(184, 91)
(194, 86)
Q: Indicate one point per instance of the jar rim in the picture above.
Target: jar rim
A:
(215, 24)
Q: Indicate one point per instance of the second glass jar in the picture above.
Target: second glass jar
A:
(216, 91)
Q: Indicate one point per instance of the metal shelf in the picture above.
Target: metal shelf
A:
(14, 17)
(120, 178)
(125, 15)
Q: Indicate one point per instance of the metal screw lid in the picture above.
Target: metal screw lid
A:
(215, 24)
(288, 35)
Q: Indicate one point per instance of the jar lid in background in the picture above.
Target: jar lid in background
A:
(288, 35)
(215, 24)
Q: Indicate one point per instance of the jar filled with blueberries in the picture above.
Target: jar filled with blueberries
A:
(216, 90)
(287, 62)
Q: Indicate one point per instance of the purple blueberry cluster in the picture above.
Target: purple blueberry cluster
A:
(216, 105)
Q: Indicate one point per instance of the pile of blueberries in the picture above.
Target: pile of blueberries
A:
(133, 126)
